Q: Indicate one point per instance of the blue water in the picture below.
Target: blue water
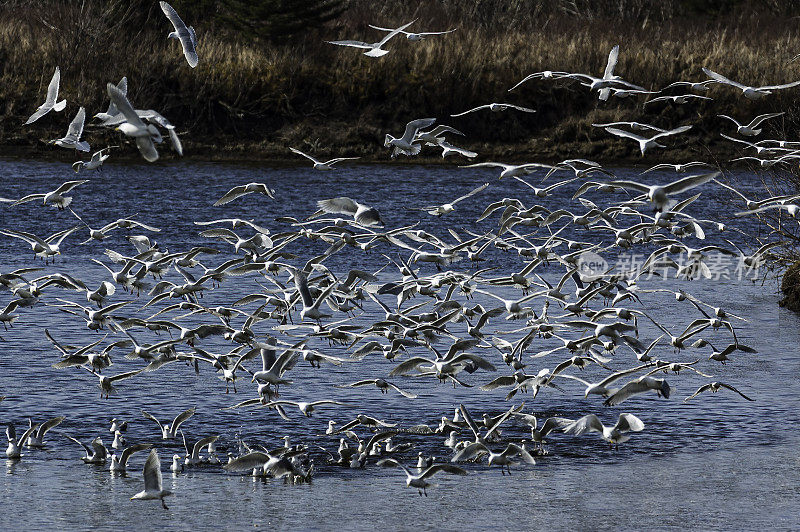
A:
(716, 461)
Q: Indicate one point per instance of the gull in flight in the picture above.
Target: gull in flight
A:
(183, 33)
(420, 480)
(169, 432)
(749, 130)
(503, 459)
(73, 137)
(647, 143)
(362, 214)
(55, 197)
(613, 435)
(327, 165)
(243, 190)
(608, 74)
(680, 167)
(679, 99)
(153, 482)
(46, 248)
(637, 386)
(406, 144)
(545, 74)
(496, 107)
(133, 126)
(714, 387)
(636, 126)
(659, 194)
(751, 93)
(50, 102)
(97, 160)
(374, 49)
(439, 210)
(415, 36)
(509, 170)
(382, 384)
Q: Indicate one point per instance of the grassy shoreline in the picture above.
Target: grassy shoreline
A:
(250, 101)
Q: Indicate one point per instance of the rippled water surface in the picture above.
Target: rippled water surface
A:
(717, 461)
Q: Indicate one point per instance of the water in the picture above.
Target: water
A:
(716, 461)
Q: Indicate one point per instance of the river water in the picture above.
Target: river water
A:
(716, 461)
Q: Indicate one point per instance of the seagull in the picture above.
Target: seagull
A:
(678, 99)
(119, 464)
(419, 480)
(613, 435)
(50, 102)
(714, 387)
(310, 307)
(169, 432)
(381, 384)
(56, 197)
(36, 439)
(48, 247)
(107, 383)
(133, 126)
(153, 483)
(608, 74)
(679, 168)
(73, 137)
(636, 126)
(415, 36)
(440, 210)
(646, 143)
(193, 457)
(364, 215)
(509, 170)
(98, 454)
(306, 407)
(637, 386)
(373, 49)
(243, 190)
(13, 451)
(751, 93)
(183, 33)
(496, 107)
(406, 144)
(97, 160)
(544, 74)
(659, 195)
(503, 459)
(327, 165)
(749, 130)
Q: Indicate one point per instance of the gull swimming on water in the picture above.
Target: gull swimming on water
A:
(327, 165)
(183, 33)
(373, 49)
(168, 431)
(119, 464)
(36, 438)
(98, 454)
(50, 102)
(13, 451)
(153, 481)
(73, 137)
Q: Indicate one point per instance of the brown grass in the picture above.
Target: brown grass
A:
(256, 98)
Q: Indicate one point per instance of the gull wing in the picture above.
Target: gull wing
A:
(183, 416)
(624, 134)
(152, 472)
(119, 99)
(686, 183)
(393, 33)
(414, 126)
(719, 78)
(612, 62)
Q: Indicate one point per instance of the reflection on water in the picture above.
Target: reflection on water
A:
(714, 461)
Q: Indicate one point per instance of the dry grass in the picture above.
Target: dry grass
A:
(253, 96)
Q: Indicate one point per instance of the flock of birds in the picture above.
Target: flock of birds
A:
(441, 318)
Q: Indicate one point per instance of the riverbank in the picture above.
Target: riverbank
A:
(252, 100)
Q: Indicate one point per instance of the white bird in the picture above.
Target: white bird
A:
(48, 247)
(504, 458)
(184, 34)
(420, 480)
(382, 384)
(608, 74)
(119, 464)
(243, 190)
(98, 454)
(73, 137)
(133, 126)
(678, 98)
(714, 387)
(50, 102)
(749, 130)
(647, 143)
(319, 165)
(509, 170)
(306, 407)
(415, 36)
(406, 144)
(193, 457)
(177, 464)
(613, 435)
(310, 307)
(153, 482)
(680, 167)
(363, 214)
(659, 195)
(751, 93)
(36, 439)
(14, 449)
(637, 386)
(97, 160)
(170, 431)
(496, 107)
(636, 126)
(56, 198)
(373, 49)
(440, 210)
